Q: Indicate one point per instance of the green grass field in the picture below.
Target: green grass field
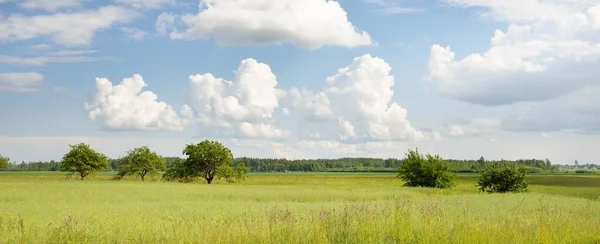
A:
(43, 207)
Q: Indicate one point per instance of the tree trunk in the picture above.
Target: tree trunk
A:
(144, 175)
(209, 179)
(82, 176)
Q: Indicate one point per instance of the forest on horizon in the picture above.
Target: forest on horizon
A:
(339, 165)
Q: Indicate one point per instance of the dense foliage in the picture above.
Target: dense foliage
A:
(497, 179)
(208, 160)
(232, 174)
(83, 160)
(425, 171)
(4, 162)
(533, 166)
(319, 165)
(140, 162)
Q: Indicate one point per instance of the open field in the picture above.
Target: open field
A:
(42, 207)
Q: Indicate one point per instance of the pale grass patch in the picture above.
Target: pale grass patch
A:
(324, 209)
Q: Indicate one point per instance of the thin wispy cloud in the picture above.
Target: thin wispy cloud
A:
(392, 6)
(61, 56)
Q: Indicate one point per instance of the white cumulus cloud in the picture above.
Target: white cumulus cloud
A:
(309, 23)
(359, 96)
(549, 48)
(126, 106)
(262, 130)
(246, 103)
(312, 106)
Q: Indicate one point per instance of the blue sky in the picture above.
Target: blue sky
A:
(302, 79)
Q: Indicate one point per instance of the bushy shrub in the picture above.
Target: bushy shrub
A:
(425, 171)
(496, 179)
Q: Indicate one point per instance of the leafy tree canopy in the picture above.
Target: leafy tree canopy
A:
(425, 171)
(208, 160)
(140, 162)
(232, 174)
(83, 160)
(3, 162)
(496, 179)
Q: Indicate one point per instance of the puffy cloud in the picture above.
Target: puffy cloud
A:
(147, 4)
(248, 102)
(309, 24)
(577, 112)
(251, 96)
(76, 28)
(361, 93)
(347, 128)
(262, 131)
(549, 49)
(359, 96)
(312, 106)
(126, 107)
(356, 105)
(21, 82)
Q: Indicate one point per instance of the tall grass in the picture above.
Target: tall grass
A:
(270, 209)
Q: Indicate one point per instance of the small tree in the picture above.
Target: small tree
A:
(83, 160)
(496, 179)
(140, 162)
(4, 162)
(232, 175)
(425, 171)
(208, 160)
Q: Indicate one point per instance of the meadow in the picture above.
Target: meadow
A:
(43, 207)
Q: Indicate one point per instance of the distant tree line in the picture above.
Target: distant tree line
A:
(332, 165)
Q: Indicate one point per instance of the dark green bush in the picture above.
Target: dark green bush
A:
(425, 171)
(496, 179)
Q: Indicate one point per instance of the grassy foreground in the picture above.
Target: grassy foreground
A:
(294, 208)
